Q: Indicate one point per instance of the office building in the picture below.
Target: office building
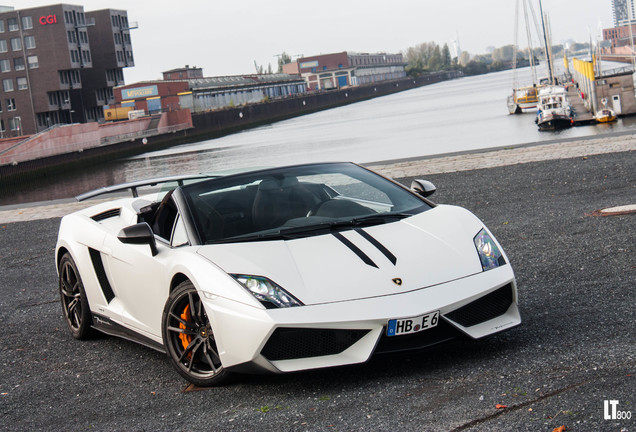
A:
(59, 65)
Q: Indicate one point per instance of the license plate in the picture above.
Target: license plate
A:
(404, 326)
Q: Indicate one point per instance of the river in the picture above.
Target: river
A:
(460, 115)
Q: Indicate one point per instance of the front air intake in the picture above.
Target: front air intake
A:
(295, 343)
(484, 308)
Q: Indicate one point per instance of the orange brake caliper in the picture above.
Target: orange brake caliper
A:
(185, 339)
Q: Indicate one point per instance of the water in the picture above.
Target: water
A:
(459, 115)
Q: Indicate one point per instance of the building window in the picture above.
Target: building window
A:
(1, 108)
(14, 124)
(7, 85)
(16, 44)
(5, 66)
(3, 46)
(1, 26)
(13, 24)
(29, 42)
(18, 63)
(27, 23)
(11, 104)
(22, 83)
(53, 99)
(32, 61)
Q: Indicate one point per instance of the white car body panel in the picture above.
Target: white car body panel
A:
(340, 275)
(437, 264)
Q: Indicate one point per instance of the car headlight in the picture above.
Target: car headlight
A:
(267, 292)
(489, 254)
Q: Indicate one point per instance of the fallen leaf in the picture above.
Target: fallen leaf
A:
(499, 406)
(559, 429)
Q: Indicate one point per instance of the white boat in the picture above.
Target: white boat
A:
(553, 110)
(522, 98)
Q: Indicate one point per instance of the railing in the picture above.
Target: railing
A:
(615, 71)
(30, 137)
(142, 134)
(79, 147)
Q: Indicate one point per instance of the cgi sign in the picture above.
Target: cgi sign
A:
(48, 19)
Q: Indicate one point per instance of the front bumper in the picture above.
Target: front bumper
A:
(334, 334)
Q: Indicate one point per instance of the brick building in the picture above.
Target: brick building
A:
(339, 70)
(58, 65)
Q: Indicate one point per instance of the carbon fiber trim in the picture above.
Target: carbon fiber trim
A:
(100, 272)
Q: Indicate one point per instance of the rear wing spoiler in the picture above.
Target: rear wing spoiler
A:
(132, 186)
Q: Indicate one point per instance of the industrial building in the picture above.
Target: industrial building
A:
(344, 69)
(198, 93)
(59, 64)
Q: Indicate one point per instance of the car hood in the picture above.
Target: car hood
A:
(427, 249)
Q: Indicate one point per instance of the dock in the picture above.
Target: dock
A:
(581, 115)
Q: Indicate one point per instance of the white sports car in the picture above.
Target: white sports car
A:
(281, 270)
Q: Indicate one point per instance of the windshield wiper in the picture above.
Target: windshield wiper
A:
(369, 220)
(304, 230)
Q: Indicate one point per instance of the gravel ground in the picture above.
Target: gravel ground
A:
(574, 350)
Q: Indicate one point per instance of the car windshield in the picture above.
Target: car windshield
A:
(296, 201)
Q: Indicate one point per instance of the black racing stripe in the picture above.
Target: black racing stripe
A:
(355, 249)
(387, 253)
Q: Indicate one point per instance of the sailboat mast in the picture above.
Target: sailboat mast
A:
(545, 40)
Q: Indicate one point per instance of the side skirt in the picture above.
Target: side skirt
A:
(106, 325)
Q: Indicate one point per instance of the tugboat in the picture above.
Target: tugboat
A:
(554, 111)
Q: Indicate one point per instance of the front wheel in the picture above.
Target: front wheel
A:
(75, 307)
(189, 340)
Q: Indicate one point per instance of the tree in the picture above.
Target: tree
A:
(283, 59)
(435, 60)
(446, 57)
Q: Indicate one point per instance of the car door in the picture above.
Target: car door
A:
(141, 278)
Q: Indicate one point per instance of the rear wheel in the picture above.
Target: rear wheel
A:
(75, 307)
(189, 340)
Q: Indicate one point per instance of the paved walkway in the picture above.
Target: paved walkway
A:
(412, 167)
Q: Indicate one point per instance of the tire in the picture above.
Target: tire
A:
(75, 308)
(189, 340)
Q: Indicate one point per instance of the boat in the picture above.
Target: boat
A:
(554, 111)
(605, 114)
(523, 98)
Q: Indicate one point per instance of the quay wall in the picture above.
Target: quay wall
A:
(205, 125)
(216, 123)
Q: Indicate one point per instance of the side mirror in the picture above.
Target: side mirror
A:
(423, 187)
(140, 233)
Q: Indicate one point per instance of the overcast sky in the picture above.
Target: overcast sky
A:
(226, 37)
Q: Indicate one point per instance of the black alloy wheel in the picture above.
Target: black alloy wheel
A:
(75, 307)
(189, 340)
